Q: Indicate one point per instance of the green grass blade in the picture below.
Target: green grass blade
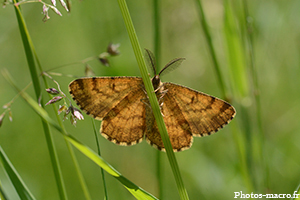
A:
(15, 178)
(27, 43)
(236, 54)
(78, 171)
(27, 48)
(2, 194)
(99, 153)
(212, 51)
(157, 50)
(157, 36)
(152, 98)
(239, 85)
(136, 191)
(70, 149)
(46, 120)
(296, 194)
(260, 156)
(39, 110)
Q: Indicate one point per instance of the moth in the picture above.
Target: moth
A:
(122, 105)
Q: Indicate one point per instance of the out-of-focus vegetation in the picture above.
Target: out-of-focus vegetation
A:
(212, 168)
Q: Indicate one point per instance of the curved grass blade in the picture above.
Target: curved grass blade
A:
(28, 48)
(135, 190)
(15, 178)
(99, 153)
(211, 47)
(157, 54)
(2, 194)
(39, 110)
(296, 194)
(153, 100)
(236, 54)
(240, 88)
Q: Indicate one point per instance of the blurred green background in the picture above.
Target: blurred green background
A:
(211, 169)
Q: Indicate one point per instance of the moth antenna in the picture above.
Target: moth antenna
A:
(150, 60)
(173, 64)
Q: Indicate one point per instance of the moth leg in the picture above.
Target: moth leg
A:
(145, 101)
(158, 88)
(143, 88)
(160, 100)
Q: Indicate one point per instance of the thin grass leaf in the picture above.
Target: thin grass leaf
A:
(135, 190)
(27, 43)
(99, 153)
(157, 53)
(15, 178)
(2, 194)
(157, 32)
(296, 194)
(39, 110)
(78, 171)
(29, 49)
(239, 85)
(70, 149)
(152, 98)
(211, 47)
(236, 54)
(260, 134)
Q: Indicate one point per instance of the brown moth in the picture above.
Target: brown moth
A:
(122, 105)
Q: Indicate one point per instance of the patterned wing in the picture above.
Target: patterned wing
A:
(125, 123)
(96, 96)
(177, 126)
(116, 101)
(205, 114)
